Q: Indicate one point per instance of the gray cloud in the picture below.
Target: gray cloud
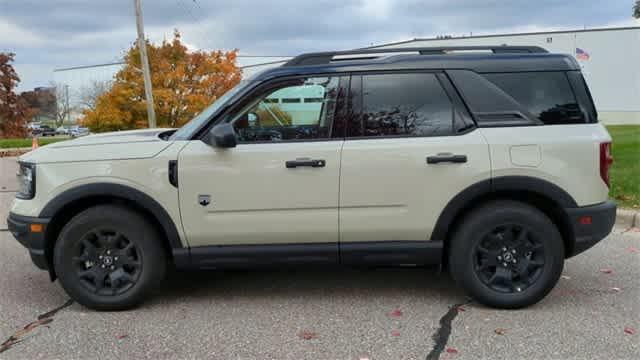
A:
(49, 34)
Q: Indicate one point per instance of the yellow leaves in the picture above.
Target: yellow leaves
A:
(184, 83)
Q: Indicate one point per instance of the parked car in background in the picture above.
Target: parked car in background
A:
(43, 130)
(77, 131)
(63, 130)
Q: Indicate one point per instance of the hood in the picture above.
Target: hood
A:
(131, 144)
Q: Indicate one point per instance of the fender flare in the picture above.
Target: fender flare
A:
(467, 197)
(116, 191)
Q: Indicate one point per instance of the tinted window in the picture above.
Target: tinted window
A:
(546, 95)
(399, 105)
(280, 114)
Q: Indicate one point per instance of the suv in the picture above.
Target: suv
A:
(487, 160)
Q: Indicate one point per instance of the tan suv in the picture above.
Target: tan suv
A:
(490, 160)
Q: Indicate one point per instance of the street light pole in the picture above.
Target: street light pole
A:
(145, 65)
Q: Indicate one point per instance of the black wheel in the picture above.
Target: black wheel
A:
(506, 254)
(109, 257)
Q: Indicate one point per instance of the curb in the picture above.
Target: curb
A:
(628, 218)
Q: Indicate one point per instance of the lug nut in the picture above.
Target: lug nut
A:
(100, 257)
(504, 249)
(499, 257)
(115, 258)
(112, 268)
(108, 252)
(504, 264)
(514, 261)
(513, 251)
(518, 289)
(102, 266)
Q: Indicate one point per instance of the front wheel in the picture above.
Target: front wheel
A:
(506, 254)
(109, 257)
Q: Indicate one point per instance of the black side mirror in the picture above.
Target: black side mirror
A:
(222, 135)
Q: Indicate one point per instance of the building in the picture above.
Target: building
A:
(610, 61)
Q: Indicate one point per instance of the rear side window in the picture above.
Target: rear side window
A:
(399, 105)
(547, 95)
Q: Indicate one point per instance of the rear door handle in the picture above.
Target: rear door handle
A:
(446, 158)
(291, 164)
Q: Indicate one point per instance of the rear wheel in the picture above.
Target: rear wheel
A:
(109, 257)
(506, 254)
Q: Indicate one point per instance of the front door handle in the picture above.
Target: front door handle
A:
(291, 164)
(446, 158)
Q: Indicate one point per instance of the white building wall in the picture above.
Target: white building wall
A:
(612, 70)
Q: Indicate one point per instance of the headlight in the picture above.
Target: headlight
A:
(26, 181)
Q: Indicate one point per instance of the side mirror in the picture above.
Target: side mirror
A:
(222, 135)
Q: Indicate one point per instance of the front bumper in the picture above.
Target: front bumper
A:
(591, 224)
(20, 228)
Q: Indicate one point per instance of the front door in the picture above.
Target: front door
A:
(280, 184)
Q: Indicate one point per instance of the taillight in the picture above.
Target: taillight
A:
(605, 161)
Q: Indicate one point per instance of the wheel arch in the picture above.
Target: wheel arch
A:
(542, 194)
(69, 203)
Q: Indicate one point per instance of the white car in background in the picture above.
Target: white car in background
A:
(77, 131)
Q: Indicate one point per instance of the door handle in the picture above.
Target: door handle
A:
(446, 158)
(291, 164)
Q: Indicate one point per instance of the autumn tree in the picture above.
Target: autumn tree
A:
(14, 112)
(184, 83)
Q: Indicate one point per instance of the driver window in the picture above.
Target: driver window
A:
(300, 110)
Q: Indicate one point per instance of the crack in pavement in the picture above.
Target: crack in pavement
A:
(441, 336)
(42, 319)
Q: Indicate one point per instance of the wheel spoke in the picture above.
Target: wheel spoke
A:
(89, 248)
(501, 276)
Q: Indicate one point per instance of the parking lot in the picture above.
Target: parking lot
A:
(593, 313)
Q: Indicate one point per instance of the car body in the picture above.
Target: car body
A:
(76, 131)
(44, 130)
(490, 163)
(63, 130)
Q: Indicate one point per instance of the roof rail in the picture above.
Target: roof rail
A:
(320, 58)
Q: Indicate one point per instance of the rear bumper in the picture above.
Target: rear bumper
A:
(589, 232)
(20, 228)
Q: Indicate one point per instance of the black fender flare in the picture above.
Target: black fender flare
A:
(467, 197)
(116, 191)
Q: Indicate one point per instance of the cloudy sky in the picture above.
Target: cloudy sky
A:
(49, 34)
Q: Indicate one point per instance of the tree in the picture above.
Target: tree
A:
(636, 10)
(89, 94)
(184, 83)
(62, 110)
(14, 112)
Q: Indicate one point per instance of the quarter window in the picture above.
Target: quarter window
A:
(547, 95)
(281, 115)
(399, 105)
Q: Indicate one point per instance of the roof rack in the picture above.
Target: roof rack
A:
(320, 58)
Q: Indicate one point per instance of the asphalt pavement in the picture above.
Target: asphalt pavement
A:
(593, 313)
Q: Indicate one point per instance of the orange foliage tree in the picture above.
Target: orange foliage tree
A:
(14, 111)
(184, 83)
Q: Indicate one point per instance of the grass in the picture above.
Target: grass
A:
(625, 172)
(22, 143)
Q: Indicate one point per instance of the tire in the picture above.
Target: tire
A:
(109, 257)
(517, 277)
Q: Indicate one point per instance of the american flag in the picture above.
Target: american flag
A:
(581, 54)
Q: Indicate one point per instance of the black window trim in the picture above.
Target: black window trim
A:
(457, 104)
(261, 88)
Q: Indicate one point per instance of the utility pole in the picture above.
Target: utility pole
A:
(142, 46)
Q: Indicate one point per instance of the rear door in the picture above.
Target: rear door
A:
(410, 148)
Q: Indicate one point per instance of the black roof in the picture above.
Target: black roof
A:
(494, 59)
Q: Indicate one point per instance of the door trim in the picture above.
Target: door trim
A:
(373, 253)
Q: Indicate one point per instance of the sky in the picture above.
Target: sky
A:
(50, 34)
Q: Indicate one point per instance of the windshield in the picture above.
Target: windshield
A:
(185, 131)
